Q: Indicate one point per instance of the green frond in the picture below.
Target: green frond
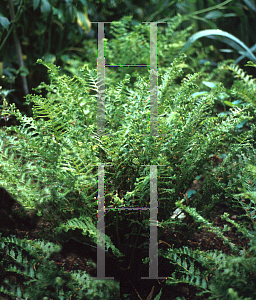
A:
(30, 260)
(245, 86)
(85, 224)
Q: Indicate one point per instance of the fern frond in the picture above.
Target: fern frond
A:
(245, 87)
(30, 259)
(88, 229)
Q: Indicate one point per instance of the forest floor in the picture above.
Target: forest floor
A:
(73, 257)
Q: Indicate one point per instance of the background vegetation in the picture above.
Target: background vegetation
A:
(62, 33)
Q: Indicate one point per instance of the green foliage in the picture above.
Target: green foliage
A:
(58, 27)
(62, 34)
(244, 86)
(217, 273)
(87, 227)
(136, 38)
(68, 46)
(214, 272)
(30, 260)
(248, 192)
(49, 162)
(222, 15)
(223, 37)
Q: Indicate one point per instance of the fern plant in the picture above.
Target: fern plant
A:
(244, 85)
(217, 274)
(131, 47)
(50, 163)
